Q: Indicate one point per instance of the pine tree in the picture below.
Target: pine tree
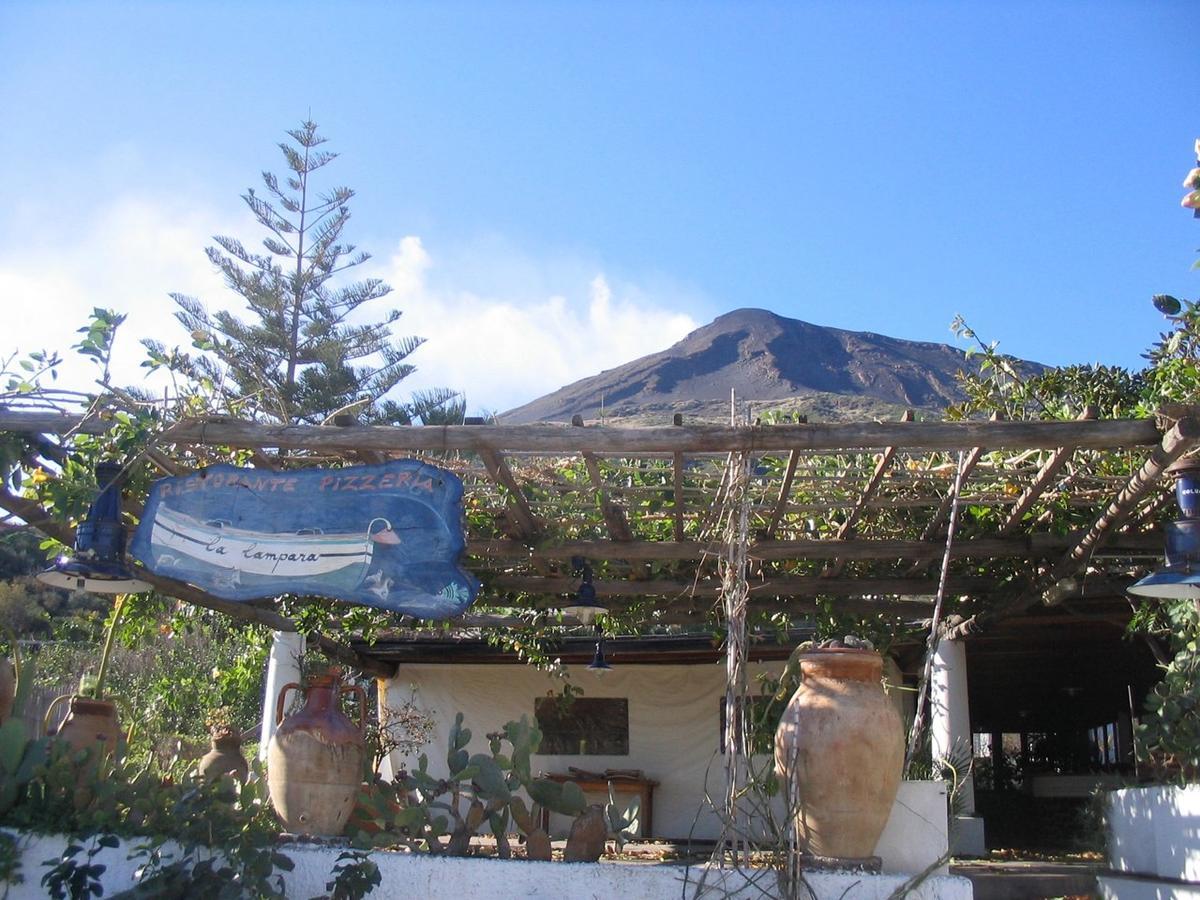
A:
(299, 358)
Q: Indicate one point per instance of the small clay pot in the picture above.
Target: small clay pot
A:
(224, 758)
(90, 724)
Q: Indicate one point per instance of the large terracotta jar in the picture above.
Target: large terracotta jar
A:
(839, 751)
(89, 725)
(315, 759)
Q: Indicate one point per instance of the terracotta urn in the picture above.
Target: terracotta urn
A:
(89, 725)
(224, 757)
(839, 752)
(315, 759)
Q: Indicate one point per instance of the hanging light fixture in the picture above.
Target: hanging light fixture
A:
(1179, 579)
(585, 608)
(98, 564)
(599, 665)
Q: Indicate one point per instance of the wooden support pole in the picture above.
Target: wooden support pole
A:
(677, 507)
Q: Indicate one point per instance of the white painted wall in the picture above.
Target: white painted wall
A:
(674, 732)
(674, 725)
(435, 878)
(1155, 832)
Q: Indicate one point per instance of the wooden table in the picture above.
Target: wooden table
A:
(642, 788)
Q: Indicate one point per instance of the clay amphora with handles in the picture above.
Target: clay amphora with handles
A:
(316, 757)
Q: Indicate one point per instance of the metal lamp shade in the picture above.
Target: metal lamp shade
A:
(98, 564)
(585, 608)
(1169, 583)
(599, 665)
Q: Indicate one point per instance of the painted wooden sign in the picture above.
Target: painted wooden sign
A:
(388, 536)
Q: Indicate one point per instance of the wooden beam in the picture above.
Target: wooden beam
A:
(614, 518)
(268, 617)
(785, 491)
(370, 457)
(846, 528)
(942, 513)
(1183, 437)
(1032, 546)
(521, 522)
(162, 462)
(1105, 434)
(792, 586)
(695, 611)
(1042, 480)
(36, 517)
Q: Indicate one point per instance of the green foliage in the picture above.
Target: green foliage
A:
(355, 876)
(69, 879)
(10, 860)
(225, 832)
(1169, 732)
(172, 669)
(439, 815)
(1002, 387)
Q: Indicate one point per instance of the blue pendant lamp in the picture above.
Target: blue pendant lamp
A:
(598, 665)
(585, 608)
(1179, 579)
(98, 564)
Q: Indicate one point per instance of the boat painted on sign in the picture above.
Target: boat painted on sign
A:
(301, 554)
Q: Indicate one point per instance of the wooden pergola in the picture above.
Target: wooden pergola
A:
(851, 515)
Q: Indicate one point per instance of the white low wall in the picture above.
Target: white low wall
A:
(430, 878)
(1154, 832)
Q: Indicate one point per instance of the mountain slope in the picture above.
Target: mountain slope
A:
(771, 361)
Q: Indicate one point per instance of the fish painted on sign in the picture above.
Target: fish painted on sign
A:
(379, 584)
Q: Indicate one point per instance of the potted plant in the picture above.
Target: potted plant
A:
(92, 723)
(224, 756)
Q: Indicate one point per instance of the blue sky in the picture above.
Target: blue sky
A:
(556, 188)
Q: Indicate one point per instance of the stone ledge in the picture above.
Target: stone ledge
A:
(442, 878)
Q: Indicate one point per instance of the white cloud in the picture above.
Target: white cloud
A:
(128, 257)
(507, 347)
(501, 326)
